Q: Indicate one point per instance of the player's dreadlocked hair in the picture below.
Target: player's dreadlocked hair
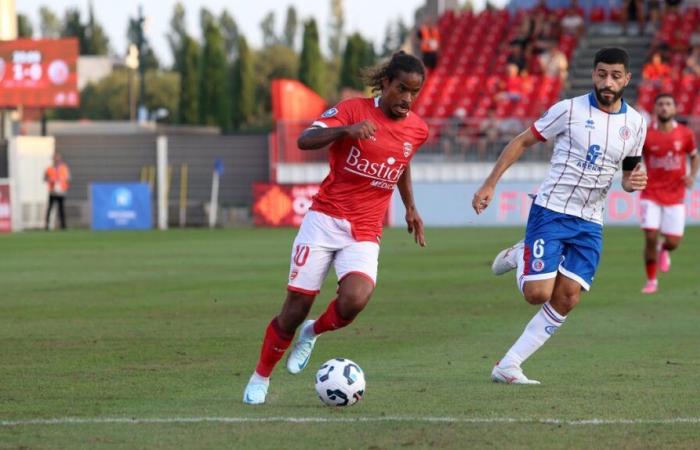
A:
(389, 69)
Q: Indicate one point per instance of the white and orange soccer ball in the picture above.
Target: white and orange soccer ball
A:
(340, 382)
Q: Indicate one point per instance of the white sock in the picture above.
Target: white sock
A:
(257, 378)
(520, 269)
(545, 323)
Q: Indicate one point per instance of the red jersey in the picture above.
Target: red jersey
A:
(665, 155)
(363, 172)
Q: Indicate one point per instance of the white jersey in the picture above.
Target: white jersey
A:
(589, 147)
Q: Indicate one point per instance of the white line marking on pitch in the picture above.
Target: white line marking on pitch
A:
(235, 420)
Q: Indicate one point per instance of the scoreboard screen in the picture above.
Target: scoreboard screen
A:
(39, 73)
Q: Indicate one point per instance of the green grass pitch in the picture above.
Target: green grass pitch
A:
(128, 332)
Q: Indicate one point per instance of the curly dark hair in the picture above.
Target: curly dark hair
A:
(389, 69)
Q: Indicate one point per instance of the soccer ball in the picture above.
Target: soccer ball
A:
(340, 382)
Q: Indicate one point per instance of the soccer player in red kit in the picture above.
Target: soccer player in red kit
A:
(667, 146)
(372, 143)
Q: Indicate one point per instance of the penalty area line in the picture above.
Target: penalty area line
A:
(281, 419)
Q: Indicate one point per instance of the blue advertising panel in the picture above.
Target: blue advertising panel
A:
(121, 206)
(450, 204)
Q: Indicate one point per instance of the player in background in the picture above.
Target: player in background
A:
(594, 134)
(372, 143)
(667, 146)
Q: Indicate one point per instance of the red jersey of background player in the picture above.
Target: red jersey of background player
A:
(665, 155)
(364, 172)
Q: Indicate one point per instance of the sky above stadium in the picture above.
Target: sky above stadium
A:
(369, 17)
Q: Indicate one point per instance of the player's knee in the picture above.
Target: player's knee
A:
(671, 244)
(564, 303)
(351, 303)
(536, 295)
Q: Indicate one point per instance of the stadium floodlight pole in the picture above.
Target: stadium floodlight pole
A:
(140, 41)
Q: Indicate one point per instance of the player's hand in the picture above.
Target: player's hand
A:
(637, 180)
(689, 181)
(415, 226)
(362, 130)
(482, 198)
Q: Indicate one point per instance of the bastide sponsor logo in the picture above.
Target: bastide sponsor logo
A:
(384, 174)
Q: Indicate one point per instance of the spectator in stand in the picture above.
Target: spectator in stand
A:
(547, 32)
(524, 38)
(554, 63)
(654, 15)
(540, 8)
(672, 6)
(455, 134)
(512, 87)
(656, 71)
(429, 37)
(637, 7)
(516, 57)
(678, 42)
(692, 63)
(572, 23)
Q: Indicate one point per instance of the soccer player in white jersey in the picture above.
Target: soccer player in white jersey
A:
(594, 135)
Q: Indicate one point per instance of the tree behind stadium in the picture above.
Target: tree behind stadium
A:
(358, 53)
(243, 86)
(214, 105)
(311, 65)
(188, 103)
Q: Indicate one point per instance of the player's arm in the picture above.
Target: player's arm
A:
(634, 176)
(413, 220)
(511, 153)
(318, 137)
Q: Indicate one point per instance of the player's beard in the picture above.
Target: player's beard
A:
(602, 100)
(664, 119)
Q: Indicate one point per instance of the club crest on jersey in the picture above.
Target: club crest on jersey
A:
(625, 132)
(537, 265)
(590, 124)
(677, 145)
(329, 113)
(407, 149)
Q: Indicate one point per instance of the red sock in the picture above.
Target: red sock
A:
(651, 270)
(274, 345)
(330, 319)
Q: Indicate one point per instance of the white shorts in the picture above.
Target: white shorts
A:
(323, 240)
(669, 219)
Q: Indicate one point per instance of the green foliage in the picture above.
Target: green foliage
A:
(24, 26)
(267, 27)
(358, 54)
(291, 24)
(49, 23)
(149, 59)
(336, 28)
(243, 90)
(177, 35)
(91, 36)
(278, 61)
(311, 67)
(214, 97)
(97, 41)
(229, 29)
(188, 107)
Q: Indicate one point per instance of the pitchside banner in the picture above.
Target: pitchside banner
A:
(5, 209)
(121, 206)
(450, 204)
(281, 205)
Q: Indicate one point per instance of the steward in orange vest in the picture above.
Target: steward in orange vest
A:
(57, 176)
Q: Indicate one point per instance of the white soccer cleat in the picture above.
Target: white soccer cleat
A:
(255, 393)
(650, 287)
(510, 375)
(300, 354)
(507, 260)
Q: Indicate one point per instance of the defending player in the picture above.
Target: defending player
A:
(666, 149)
(372, 143)
(594, 135)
